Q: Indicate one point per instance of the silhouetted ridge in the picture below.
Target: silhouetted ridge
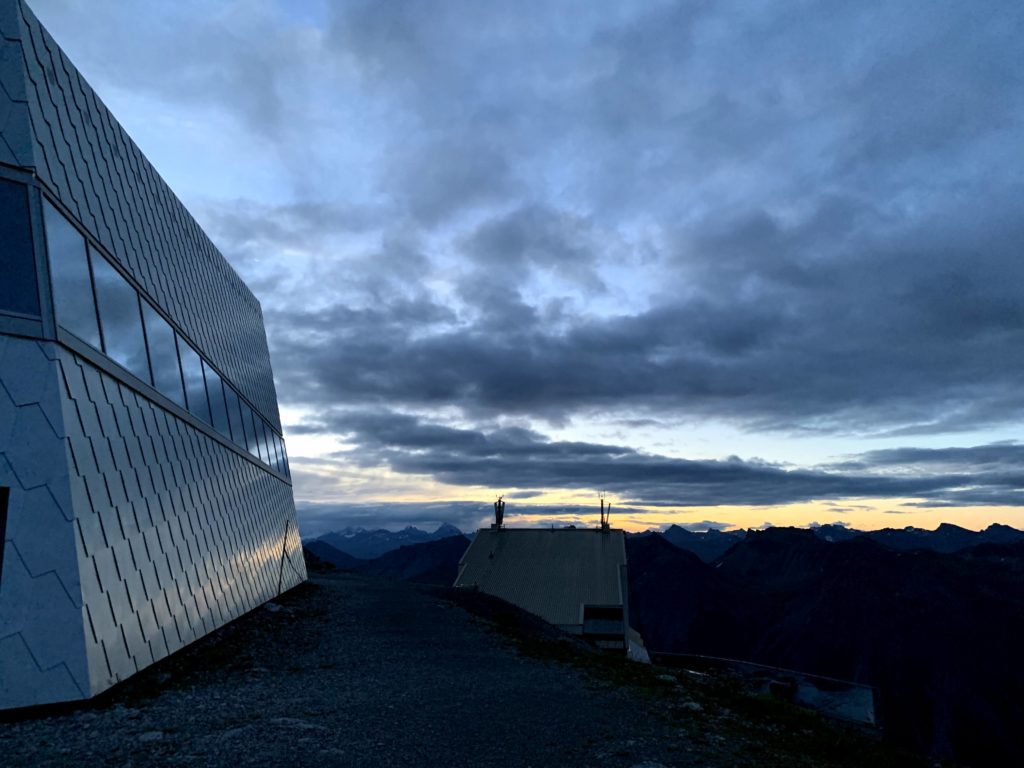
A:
(332, 556)
(1001, 534)
(946, 538)
(707, 545)
(315, 563)
(938, 634)
(997, 551)
(833, 532)
(711, 544)
(433, 562)
(670, 589)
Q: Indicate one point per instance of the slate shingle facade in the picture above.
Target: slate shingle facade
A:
(133, 527)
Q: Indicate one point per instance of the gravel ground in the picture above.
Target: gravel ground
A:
(353, 671)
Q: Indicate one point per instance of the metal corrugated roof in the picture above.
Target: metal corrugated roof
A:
(550, 573)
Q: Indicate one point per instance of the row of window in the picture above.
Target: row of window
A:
(95, 303)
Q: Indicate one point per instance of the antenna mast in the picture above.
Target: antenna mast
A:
(605, 513)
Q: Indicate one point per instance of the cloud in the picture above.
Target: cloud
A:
(519, 458)
(829, 246)
(1003, 455)
(992, 474)
(779, 355)
(797, 222)
(534, 237)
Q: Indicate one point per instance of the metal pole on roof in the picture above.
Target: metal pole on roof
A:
(605, 514)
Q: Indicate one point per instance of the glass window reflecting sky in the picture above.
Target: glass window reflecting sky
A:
(163, 355)
(215, 392)
(120, 318)
(195, 387)
(99, 305)
(69, 271)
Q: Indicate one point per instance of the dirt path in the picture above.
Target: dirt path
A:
(362, 672)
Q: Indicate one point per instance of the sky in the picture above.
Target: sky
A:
(730, 263)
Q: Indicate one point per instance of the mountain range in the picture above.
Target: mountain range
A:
(711, 544)
(430, 562)
(937, 633)
(367, 544)
(707, 545)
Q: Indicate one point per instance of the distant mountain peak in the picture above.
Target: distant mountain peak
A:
(367, 545)
(707, 545)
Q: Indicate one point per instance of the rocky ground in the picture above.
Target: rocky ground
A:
(356, 671)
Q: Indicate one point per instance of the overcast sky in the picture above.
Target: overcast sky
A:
(730, 262)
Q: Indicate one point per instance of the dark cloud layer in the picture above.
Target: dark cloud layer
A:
(879, 340)
(522, 459)
(860, 272)
(833, 200)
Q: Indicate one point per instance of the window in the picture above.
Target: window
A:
(234, 415)
(266, 446)
(19, 291)
(192, 372)
(278, 464)
(278, 444)
(72, 284)
(257, 430)
(268, 451)
(99, 305)
(218, 409)
(163, 355)
(120, 318)
(250, 433)
(272, 447)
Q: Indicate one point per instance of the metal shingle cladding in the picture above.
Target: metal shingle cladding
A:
(176, 536)
(550, 573)
(89, 162)
(42, 656)
(130, 531)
